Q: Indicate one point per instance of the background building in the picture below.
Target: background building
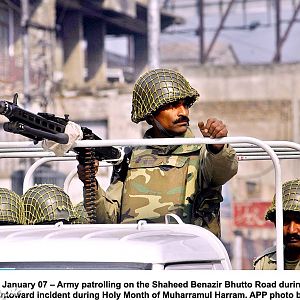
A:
(82, 57)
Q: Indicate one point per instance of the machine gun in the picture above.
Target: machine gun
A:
(47, 126)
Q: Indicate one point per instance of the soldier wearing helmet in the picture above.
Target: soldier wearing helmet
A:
(82, 215)
(11, 208)
(156, 180)
(291, 230)
(47, 204)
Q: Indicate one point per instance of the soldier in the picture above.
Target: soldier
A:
(291, 230)
(82, 215)
(153, 181)
(11, 208)
(47, 204)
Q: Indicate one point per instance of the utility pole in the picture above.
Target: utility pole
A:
(26, 55)
(296, 128)
(153, 20)
(201, 31)
(277, 57)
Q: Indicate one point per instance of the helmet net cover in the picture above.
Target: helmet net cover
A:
(82, 215)
(156, 88)
(11, 207)
(290, 199)
(47, 203)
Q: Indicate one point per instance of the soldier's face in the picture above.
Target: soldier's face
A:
(291, 230)
(174, 117)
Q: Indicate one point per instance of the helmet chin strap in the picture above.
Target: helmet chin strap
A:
(162, 130)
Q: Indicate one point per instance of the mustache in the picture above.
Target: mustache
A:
(182, 119)
(289, 237)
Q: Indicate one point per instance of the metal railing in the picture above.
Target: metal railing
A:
(247, 148)
(245, 151)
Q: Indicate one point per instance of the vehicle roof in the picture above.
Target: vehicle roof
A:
(140, 243)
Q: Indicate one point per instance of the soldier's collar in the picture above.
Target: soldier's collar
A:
(175, 149)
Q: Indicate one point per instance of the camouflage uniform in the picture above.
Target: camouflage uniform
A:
(163, 180)
(156, 180)
(290, 202)
(267, 261)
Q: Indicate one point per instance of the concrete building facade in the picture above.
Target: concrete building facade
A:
(68, 75)
(54, 50)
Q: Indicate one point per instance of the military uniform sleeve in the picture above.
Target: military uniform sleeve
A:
(264, 263)
(108, 203)
(218, 168)
(258, 264)
(267, 261)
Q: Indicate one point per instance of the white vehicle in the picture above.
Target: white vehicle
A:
(126, 246)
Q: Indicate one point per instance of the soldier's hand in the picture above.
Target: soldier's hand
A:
(83, 171)
(213, 128)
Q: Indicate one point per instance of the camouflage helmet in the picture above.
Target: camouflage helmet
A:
(11, 207)
(290, 199)
(47, 204)
(156, 88)
(82, 215)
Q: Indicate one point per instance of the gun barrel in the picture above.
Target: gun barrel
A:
(14, 113)
(3, 107)
(61, 138)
